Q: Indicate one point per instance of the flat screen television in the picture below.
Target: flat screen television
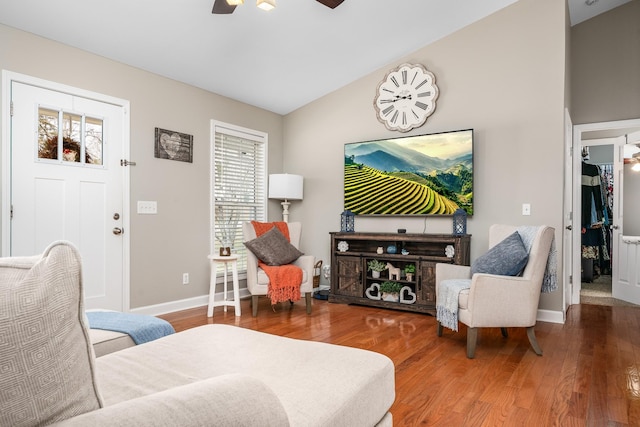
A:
(428, 174)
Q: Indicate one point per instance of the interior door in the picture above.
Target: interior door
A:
(67, 184)
(626, 231)
(567, 234)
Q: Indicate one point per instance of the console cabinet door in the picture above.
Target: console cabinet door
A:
(427, 288)
(349, 280)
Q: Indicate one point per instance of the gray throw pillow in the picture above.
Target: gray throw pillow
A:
(273, 248)
(47, 369)
(507, 258)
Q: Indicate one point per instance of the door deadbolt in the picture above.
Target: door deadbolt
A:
(116, 216)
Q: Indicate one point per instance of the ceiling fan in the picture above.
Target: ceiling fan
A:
(225, 7)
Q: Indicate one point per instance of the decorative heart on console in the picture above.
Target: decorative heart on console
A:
(373, 291)
(410, 297)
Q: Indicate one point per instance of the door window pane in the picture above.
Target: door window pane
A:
(72, 146)
(47, 134)
(93, 140)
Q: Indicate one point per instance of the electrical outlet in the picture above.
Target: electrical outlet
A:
(526, 209)
(185, 278)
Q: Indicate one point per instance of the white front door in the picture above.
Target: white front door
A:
(67, 184)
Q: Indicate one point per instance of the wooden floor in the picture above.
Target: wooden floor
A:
(589, 374)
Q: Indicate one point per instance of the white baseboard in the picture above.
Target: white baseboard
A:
(550, 316)
(184, 304)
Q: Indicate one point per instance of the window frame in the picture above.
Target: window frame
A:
(256, 137)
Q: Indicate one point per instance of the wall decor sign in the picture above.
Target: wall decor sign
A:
(173, 145)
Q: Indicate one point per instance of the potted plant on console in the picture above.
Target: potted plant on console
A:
(390, 291)
(376, 267)
(410, 270)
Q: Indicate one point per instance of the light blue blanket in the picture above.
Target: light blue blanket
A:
(550, 280)
(447, 306)
(141, 328)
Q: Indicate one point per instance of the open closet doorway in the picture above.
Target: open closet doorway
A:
(606, 255)
(596, 228)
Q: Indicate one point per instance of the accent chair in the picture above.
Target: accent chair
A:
(500, 301)
(257, 280)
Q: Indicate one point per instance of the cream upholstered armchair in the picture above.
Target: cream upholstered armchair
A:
(496, 301)
(257, 280)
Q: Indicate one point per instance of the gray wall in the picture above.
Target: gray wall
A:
(605, 62)
(605, 82)
(176, 240)
(502, 76)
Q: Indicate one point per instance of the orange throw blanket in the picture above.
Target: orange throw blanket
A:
(284, 280)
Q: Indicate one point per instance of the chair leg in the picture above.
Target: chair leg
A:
(534, 342)
(308, 301)
(472, 338)
(504, 332)
(254, 305)
(439, 329)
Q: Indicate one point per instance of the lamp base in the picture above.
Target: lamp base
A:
(285, 210)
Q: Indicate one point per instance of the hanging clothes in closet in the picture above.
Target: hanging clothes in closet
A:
(595, 222)
(606, 177)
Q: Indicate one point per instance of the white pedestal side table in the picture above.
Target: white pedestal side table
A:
(227, 260)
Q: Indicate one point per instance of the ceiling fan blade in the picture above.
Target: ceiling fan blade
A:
(221, 7)
(331, 3)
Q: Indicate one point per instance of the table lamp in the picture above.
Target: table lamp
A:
(285, 187)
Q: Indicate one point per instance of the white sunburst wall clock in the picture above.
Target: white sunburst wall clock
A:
(406, 97)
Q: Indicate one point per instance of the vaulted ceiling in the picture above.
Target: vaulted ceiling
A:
(278, 60)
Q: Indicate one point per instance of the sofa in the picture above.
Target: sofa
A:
(219, 375)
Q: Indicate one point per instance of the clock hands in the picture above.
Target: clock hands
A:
(395, 98)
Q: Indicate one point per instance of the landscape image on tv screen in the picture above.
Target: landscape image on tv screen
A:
(413, 175)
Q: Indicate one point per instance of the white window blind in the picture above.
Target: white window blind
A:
(238, 169)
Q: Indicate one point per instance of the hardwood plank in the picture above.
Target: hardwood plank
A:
(589, 373)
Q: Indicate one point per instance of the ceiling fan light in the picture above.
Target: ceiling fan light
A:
(266, 4)
(234, 2)
(636, 167)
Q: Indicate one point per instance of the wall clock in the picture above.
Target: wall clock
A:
(406, 97)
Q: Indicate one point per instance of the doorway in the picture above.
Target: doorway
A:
(596, 227)
(63, 180)
(609, 264)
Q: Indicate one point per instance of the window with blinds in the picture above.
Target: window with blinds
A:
(238, 186)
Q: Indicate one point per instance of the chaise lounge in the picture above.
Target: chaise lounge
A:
(211, 375)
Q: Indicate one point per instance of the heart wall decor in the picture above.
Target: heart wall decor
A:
(173, 145)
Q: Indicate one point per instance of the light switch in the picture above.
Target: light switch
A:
(526, 209)
(147, 207)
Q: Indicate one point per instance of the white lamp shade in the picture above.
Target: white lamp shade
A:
(285, 186)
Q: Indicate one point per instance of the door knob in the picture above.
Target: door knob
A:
(569, 227)
(117, 230)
